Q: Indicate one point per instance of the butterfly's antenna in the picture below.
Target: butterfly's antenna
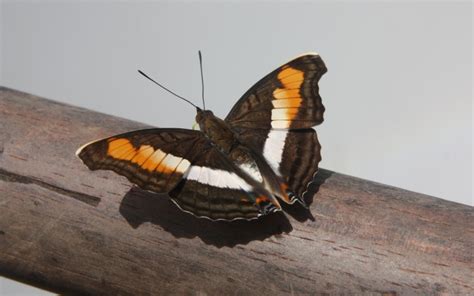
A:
(170, 91)
(202, 81)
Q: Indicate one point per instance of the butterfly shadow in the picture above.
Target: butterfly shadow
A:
(140, 206)
(297, 211)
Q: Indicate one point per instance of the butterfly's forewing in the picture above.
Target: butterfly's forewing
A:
(286, 98)
(293, 154)
(154, 159)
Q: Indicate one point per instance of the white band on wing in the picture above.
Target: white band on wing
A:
(217, 178)
(273, 148)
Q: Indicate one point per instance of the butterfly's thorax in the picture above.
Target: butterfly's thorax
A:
(221, 134)
(253, 164)
(217, 130)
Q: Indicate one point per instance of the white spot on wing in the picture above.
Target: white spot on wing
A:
(273, 148)
(281, 123)
(284, 114)
(287, 103)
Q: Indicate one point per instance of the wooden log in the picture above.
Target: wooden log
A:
(70, 230)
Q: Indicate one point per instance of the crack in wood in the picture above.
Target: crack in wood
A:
(16, 178)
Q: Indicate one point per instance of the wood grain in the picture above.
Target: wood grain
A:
(73, 231)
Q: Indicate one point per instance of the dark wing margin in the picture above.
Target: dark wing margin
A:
(154, 159)
(286, 98)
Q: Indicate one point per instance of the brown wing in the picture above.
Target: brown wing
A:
(217, 189)
(199, 178)
(154, 159)
(286, 98)
(293, 154)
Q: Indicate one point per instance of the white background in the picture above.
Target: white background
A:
(398, 92)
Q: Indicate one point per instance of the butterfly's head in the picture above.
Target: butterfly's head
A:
(206, 121)
(203, 115)
(215, 128)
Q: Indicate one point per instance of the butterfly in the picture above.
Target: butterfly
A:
(242, 167)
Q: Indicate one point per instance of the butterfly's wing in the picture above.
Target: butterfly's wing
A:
(154, 159)
(293, 155)
(198, 177)
(286, 98)
(215, 188)
(275, 117)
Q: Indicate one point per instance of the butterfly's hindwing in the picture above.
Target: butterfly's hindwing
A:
(214, 188)
(286, 98)
(300, 159)
(293, 154)
(214, 202)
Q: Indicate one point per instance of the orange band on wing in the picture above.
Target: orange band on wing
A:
(154, 160)
(146, 157)
(142, 154)
(288, 98)
(287, 103)
(119, 147)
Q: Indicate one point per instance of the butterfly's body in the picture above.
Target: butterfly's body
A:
(250, 163)
(217, 130)
(234, 168)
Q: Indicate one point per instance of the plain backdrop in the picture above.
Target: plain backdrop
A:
(398, 93)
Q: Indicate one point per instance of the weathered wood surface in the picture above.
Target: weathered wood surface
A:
(70, 230)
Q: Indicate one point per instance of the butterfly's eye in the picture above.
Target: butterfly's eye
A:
(199, 117)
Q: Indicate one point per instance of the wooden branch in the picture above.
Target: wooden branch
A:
(70, 230)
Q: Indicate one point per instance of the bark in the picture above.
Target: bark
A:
(70, 230)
